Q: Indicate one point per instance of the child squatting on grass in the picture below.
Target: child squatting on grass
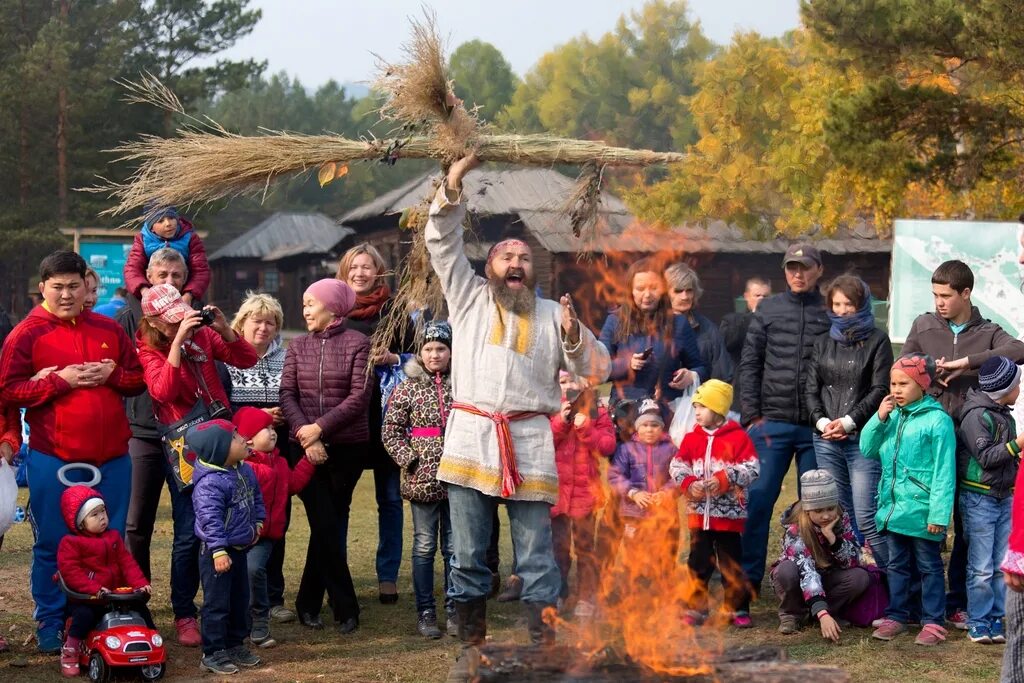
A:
(229, 519)
(914, 439)
(819, 572)
(715, 464)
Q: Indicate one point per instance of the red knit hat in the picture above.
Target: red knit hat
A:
(251, 421)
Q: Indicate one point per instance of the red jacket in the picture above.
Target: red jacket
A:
(198, 266)
(576, 457)
(277, 483)
(63, 420)
(175, 390)
(88, 563)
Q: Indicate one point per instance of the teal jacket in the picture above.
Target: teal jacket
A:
(917, 448)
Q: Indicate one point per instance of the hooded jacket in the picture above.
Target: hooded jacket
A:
(642, 467)
(88, 562)
(728, 455)
(980, 340)
(325, 380)
(845, 555)
(186, 242)
(175, 390)
(917, 448)
(63, 420)
(848, 379)
(987, 452)
(777, 356)
(413, 430)
(229, 506)
(578, 451)
(278, 483)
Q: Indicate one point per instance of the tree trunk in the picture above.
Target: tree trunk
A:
(24, 155)
(62, 124)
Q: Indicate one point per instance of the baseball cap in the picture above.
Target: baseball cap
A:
(164, 302)
(803, 253)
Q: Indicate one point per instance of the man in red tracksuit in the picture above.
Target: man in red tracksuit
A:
(71, 370)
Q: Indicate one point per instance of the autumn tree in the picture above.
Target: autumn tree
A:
(628, 87)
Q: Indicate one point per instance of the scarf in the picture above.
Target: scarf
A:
(370, 304)
(854, 328)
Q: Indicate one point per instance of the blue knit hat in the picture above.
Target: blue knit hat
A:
(211, 441)
(998, 376)
(153, 212)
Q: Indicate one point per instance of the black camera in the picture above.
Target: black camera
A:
(218, 411)
(207, 316)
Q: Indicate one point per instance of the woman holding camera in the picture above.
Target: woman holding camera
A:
(178, 346)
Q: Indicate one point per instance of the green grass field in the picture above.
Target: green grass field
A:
(387, 648)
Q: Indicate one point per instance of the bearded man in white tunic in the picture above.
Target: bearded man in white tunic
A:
(508, 346)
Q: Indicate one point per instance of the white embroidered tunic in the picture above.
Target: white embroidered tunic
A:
(501, 363)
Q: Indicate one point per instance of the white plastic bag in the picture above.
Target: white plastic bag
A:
(684, 418)
(8, 496)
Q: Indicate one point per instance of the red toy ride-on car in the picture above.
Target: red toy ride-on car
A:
(121, 638)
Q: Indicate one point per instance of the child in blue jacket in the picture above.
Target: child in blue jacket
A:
(229, 519)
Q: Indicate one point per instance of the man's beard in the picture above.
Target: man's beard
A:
(520, 301)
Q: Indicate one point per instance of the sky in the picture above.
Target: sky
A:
(317, 40)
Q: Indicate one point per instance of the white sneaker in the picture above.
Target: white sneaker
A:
(584, 610)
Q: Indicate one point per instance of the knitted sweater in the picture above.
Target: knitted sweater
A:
(726, 454)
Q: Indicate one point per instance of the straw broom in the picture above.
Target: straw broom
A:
(205, 162)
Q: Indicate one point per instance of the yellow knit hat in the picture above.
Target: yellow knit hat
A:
(715, 395)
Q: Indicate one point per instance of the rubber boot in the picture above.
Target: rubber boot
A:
(472, 617)
(540, 632)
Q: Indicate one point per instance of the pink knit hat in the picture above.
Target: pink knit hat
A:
(336, 296)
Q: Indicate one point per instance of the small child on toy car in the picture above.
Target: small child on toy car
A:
(92, 559)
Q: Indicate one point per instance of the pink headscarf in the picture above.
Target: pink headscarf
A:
(336, 296)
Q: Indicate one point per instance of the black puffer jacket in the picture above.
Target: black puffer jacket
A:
(848, 379)
(325, 381)
(777, 354)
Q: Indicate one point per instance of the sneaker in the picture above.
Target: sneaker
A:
(241, 656)
(282, 614)
(312, 621)
(348, 626)
(979, 634)
(513, 589)
(260, 634)
(931, 634)
(187, 632)
(958, 619)
(583, 610)
(888, 629)
(218, 663)
(49, 640)
(742, 620)
(694, 618)
(427, 625)
(789, 624)
(996, 629)
(69, 661)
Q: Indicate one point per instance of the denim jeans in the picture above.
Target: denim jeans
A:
(257, 558)
(387, 479)
(150, 474)
(904, 551)
(987, 526)
(857, 478)
(530, 525)
(776, 443)
(429, 521)
(225, 622)
(44, 501)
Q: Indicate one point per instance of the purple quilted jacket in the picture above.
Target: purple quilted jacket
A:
(325, 381)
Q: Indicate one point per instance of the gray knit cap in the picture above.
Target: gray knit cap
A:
(818, 490)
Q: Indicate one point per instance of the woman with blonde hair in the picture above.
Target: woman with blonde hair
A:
(363, 268)
(684, 293)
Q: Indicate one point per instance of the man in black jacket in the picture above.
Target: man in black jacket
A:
(773, 368)
(734, 328)
(150, 471)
